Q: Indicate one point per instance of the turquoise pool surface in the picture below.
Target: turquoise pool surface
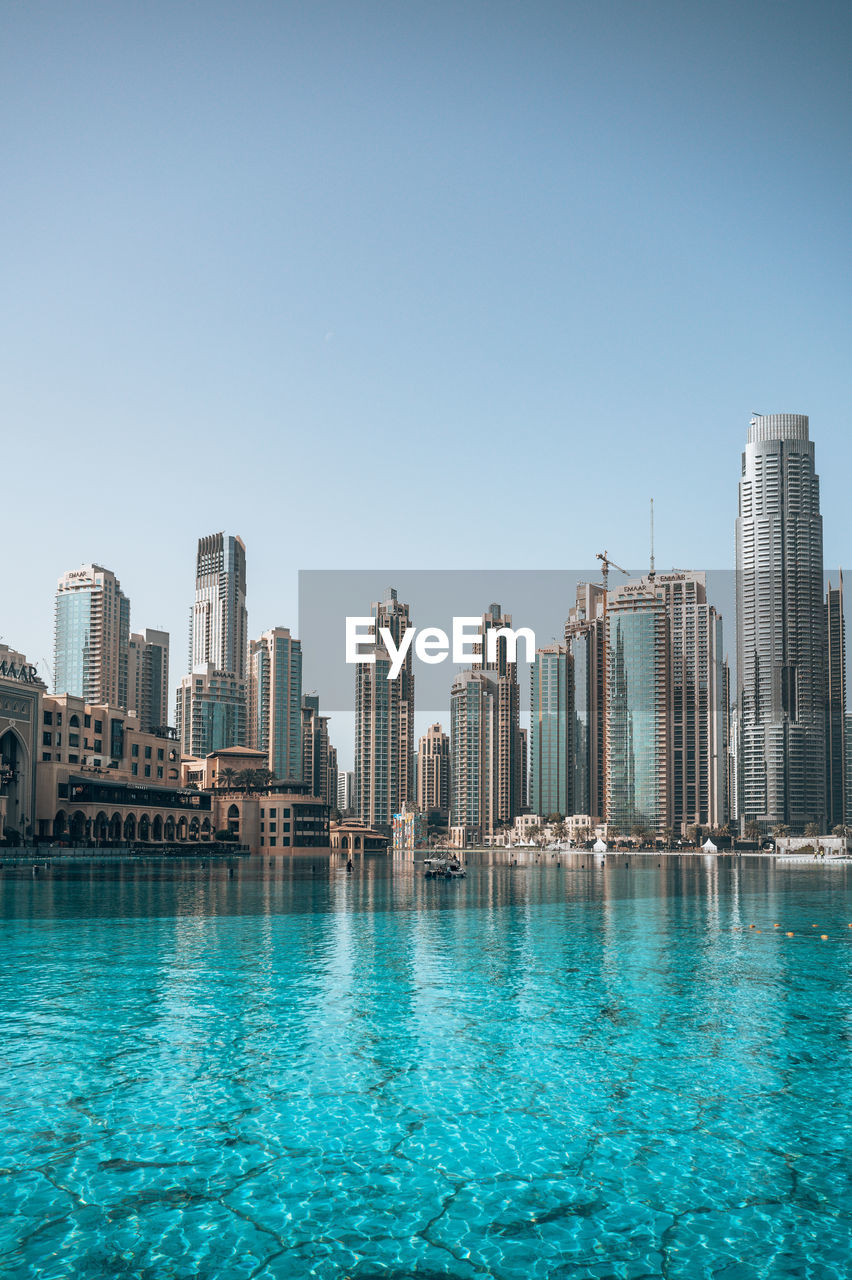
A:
(245, 1070)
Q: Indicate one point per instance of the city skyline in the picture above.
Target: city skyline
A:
(613, 236)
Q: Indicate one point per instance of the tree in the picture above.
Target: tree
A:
(668, 836)
(812, 829)
(692, 833)
(752, 830)
(226, 777)
(780, 830)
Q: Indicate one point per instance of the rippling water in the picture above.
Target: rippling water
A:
(540, 1071)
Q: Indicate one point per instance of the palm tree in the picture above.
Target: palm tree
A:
(812, 829)
(752, 830)
(780, 831)
(226, 778)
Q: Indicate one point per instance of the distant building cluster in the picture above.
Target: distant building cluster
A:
(636, 726)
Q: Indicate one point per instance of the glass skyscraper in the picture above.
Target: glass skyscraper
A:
(781, 627)
(638, 772)
(92, 636)
(551, 739)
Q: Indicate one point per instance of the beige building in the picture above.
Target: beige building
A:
(433, 771)
(148, 678)
(21, 693)
(277, 818)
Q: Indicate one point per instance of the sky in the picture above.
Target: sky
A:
(434, 285)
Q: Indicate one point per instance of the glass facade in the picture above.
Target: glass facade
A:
(551, 751)
(636, 700)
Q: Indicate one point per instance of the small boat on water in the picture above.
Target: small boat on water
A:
(444, 869)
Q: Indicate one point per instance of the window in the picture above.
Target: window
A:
(99, 746)
(272, 842)
(99, 728)
(47, 740)
(161, 755)
(73, 759)
(147, 771)
(73, 739)
(134, 750)
(147, 753)
(45, 755)
(48, 717)
(134, 768)
(87, 722)
(159, 771)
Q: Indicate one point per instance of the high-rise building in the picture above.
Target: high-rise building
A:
(584, 638)
(433, 772)
(319, 757)
(218, 648)
(525, 771)
(275, 702)
(91, 636)
(330, 796)
(211, 711)
(781, 640)
(384, 723)
(666, 695)
(473, 748)
(551, 721)
(835, 706)
(638, 766)
(219, 620)
(345, 791)
(507, 744)
(148, 678)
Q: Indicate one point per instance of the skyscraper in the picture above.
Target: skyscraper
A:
(473, 748)
(584, 638)
(219, 621)
(638, 764)
(666, 694)
(148, 678)
(781, 626)
(507, 743)
(835, 706)
(91, 636)
(319, 757)
(433, 771)
(275, 701)
(551, 746)
(384, 723)
(218, 650)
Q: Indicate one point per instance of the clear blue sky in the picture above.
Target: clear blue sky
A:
(422, 284)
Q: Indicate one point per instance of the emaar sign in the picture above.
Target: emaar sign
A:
(432, 644)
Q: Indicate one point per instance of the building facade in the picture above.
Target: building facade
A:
(473, 749)
(148, 678)
(835, 706)
(211, 711)
(551, 725)
(637, 765)
(433, 772)
(91, 636)
(21, 694)
(275, 702)
(384, 723)
(781, 631)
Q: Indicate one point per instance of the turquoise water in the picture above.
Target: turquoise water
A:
(539, 1071)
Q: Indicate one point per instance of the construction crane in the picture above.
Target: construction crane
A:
(606, 565)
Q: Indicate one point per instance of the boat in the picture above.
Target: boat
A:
(444, 869)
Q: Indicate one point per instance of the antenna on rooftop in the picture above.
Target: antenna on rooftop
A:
(651, 574)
